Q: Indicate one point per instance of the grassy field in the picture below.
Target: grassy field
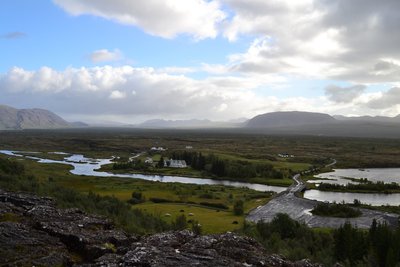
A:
(212, 220)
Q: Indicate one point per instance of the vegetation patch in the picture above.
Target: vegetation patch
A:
(9, 217)
(364, 187)
(335, 210)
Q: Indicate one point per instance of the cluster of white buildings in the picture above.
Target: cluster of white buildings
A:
(285, 155)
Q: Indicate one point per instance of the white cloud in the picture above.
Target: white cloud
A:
(139, 91)
(165, 18)
(117, 94)
(104, 55)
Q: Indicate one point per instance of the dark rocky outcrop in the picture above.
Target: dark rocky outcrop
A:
(34, 232)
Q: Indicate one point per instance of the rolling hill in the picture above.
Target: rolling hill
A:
(18, 119)
(289, 118)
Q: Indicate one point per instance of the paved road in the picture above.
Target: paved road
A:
(299, 209)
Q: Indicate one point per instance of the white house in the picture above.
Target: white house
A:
(175, 163)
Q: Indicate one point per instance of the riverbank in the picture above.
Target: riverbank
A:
(190, 173)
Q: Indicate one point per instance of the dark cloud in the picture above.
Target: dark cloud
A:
(344, 94)
(354, 40)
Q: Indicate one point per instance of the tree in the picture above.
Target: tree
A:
(350, 244)
(137, 198)
(160, 163)
(238, 208)
(284, 225)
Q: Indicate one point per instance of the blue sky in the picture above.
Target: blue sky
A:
(130, 61)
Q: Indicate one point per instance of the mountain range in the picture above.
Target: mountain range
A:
(280, 123)
(18, 119)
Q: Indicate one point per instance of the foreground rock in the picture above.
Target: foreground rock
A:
(33, 232)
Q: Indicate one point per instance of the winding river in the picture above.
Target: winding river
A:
(88, 167)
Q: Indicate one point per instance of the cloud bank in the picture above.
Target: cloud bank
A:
(131, 94)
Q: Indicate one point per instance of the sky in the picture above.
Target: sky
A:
(130, 61)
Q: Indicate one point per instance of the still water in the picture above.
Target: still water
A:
(372, 199)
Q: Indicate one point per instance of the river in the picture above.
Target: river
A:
(88, 167)
(338, 176)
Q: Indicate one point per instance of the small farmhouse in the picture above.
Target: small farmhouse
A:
(160, 148)
(285, 155)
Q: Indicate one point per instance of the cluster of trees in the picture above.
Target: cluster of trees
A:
(361, 187)
(294, 240)
(216, 166)
(137, 165)
(380, 246)
(349, 245)
(335, 210)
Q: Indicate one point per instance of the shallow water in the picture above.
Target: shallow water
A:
(372, 199)
(387, 175)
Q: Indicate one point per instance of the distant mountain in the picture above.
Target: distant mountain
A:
(185, 124)
(381, 119)
(17, 119)
(289, 118)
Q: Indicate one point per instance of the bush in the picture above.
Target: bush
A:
(215, 205)
(159, 200)
(196, 228)
(180, 222)
(137, 198)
